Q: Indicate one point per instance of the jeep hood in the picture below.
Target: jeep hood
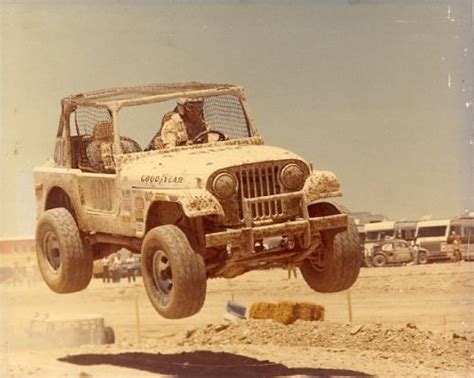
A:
(188, 169)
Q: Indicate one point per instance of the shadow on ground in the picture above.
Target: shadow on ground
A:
(201, 363)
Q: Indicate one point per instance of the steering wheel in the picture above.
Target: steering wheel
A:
(200, 137)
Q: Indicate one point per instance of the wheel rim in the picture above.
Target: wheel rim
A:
(162, 274)
(379, 261)
(318, 261)
(422, 259)
(51, 251)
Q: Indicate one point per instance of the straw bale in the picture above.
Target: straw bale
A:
(262, 310)
(310, 311)
(287, 312)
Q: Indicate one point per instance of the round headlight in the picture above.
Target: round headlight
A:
(224, 185)
(292, 177)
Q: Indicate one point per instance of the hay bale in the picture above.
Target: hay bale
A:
(287, 312)
(310, 311)
(262, 310)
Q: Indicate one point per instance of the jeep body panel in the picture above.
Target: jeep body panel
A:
(94, 198)
(160, 169)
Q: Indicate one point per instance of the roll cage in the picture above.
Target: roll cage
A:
(113, 100)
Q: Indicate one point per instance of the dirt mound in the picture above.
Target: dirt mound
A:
(405, 343)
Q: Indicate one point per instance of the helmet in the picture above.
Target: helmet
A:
(190, 104)
(186, 100)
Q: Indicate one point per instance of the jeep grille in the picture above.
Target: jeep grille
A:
(260, 181)
(261, 197)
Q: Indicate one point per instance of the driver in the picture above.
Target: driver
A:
(182, 124)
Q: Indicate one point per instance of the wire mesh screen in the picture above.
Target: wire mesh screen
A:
(225, 113)
(86, 117)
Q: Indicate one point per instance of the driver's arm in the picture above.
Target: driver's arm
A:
(169, 134)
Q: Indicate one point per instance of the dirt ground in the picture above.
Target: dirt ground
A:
(410, 320)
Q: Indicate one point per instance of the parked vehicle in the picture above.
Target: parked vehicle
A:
(405, 230)
(65, 331)
(379, 231)
(432, 236)
(463, 229)
(395, 251)
(375, 233)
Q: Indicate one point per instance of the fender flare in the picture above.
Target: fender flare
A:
(321, 184)
(194, 202)
(49, 192)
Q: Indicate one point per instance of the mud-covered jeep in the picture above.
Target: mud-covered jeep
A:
(215, 203)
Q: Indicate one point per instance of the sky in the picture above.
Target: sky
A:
(378, 92)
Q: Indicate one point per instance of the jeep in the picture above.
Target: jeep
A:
(219, 205)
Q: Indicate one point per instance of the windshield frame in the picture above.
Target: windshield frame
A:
(114, 111)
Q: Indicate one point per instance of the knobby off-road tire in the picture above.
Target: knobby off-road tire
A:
(173, 274)
(341, 261)
(64, 262)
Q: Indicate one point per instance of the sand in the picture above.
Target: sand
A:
(409, 320)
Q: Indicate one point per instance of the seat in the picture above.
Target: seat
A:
(102, 138)
(99, 151)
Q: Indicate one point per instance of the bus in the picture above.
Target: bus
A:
(433, 236)
(464, 229)
(405, 230)
(376, 233)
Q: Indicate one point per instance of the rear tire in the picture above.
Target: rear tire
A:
(379, 261)
(64, 263)
(173, 274)
(340, 264)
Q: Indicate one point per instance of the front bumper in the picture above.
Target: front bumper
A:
(245, 237)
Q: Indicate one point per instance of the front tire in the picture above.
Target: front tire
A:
(422, 258)
(336, 264)
(173, 274)
(379, 260)
(64, 263)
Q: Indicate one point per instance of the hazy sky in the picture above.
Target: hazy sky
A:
(377, 92)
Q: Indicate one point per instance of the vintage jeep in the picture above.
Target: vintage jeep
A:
(201, 209)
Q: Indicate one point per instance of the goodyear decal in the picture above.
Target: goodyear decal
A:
(162, 179)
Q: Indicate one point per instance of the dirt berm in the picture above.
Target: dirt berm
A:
(403, 344)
